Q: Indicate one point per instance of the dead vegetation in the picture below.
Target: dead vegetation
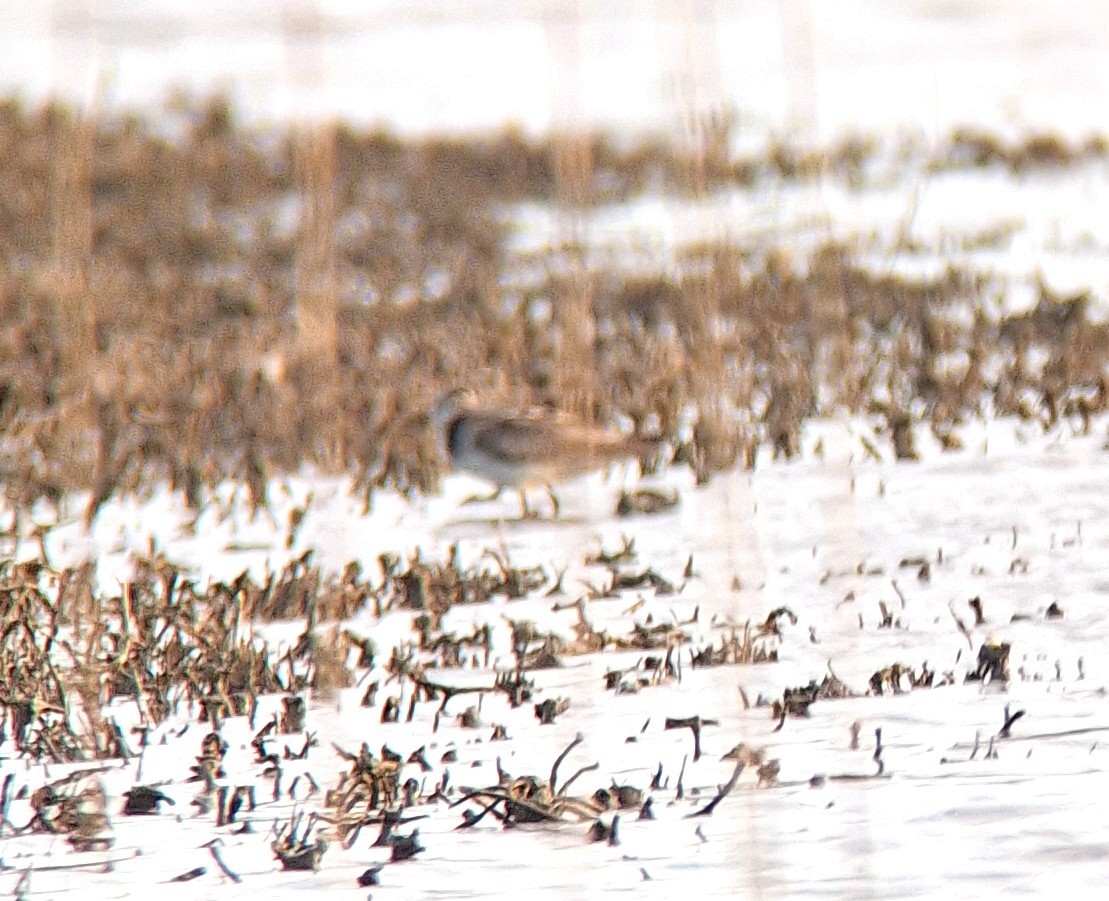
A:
(167, 645)
(183, 299)
(532, 799)
(971, 147)
(170, 646)
(163, 642)
(193, 302)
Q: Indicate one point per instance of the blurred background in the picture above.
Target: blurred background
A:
(812, 70)
(242, 238)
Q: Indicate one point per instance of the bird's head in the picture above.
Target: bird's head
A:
(448, 405)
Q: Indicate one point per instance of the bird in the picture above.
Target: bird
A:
(523, 451)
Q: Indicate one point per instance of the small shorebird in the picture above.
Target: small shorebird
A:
(530, 450)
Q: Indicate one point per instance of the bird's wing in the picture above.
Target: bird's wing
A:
(515, 440)
(528, 439)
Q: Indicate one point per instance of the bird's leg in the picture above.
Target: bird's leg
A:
(483, 498)
(526, 511)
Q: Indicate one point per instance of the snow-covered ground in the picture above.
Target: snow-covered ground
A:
(1050, 227)
(796, 67)
(1016, 519)
(805, 72)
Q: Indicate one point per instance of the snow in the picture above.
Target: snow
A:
(793, 66)
(803, 535)
(1013, 229)
(810, 73)
(1020, 518)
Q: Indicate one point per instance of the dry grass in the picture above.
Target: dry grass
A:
(230, 304)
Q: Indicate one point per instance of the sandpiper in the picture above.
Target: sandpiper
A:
(526, 450)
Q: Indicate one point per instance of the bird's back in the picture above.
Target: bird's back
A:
(523, 450)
